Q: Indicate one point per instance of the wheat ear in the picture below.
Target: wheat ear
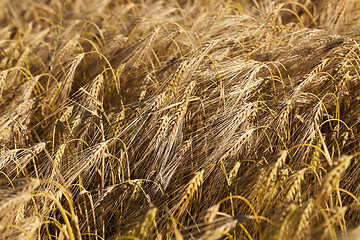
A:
(235, 148)
(211, 213)
(327, 229)
(282, 229)
(147, 223)
(304, 220)
(65, 51)
(158, 101)
(179, 71)
(180, 113)
(3, 76)
(233, 173)
(190, 190)
(268, 179)
(95, 88)
(57, 160)
(332, 178)
(277, 165)
(295, 186)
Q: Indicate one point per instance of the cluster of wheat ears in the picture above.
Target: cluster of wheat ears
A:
(179, 119)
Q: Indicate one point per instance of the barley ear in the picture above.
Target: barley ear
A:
(57, 160)
(295, 186)
(145, 227)
(332, 179)
(303, 227)
(234, 171)
(284, 225)
(3, 76)
(211, 213)
(192, 187)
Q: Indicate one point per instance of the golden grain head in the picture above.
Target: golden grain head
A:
(189, 120)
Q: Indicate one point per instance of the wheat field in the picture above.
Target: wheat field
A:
(179, 119)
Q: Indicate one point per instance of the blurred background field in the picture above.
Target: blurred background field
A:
(179, 119)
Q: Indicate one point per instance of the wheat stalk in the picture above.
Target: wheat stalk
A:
(137, 188)
(118, 122)
(283, 119)
(214, 230)
(179, 71)
(318, 112)
(188, 91)
(315, 158)
(119, 105)
(162, 129)
(64, 86)
(267, 180)
(177, 119)
(86, 164)
(276, 166)
(168, 168)
(20, 215)
(66, 114)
